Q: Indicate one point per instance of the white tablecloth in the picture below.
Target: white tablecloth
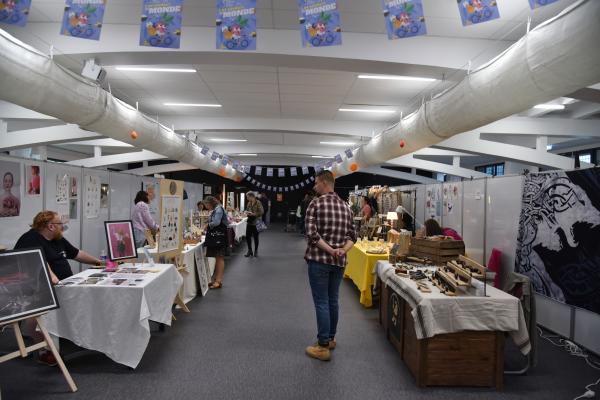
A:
(435, 313)
(240, 229)
(189, 289)
(112, 319)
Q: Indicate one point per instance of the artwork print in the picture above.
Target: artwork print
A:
(403, 18)
(62, 189)
(319, 23)
(121, 241)
(92, 196)
(25, 286)
(236, 24)
(83, 19)
(10, 197)
(73, 209)
(477, 11)
(559, 232)
(73, 187)
(201, 268)
(161, 23)
(104, 191)
(34, 182)
(152, 190)
(169, 224)
(14, 12)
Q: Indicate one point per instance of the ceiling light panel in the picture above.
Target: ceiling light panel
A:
(396, 78)
(153, 69)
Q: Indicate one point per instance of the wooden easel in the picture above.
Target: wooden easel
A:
(181, 268)
(24, 351)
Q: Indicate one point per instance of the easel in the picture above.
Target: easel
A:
(24, 351)
(181, 268)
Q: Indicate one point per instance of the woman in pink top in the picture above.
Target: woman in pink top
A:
(141, 218)
(432, 228)
(365, 208)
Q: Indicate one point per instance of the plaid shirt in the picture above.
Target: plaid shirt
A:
(330, 219)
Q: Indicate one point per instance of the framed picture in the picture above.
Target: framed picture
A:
(120, 239)
(34, 182)
(10, 198)
(25, 285)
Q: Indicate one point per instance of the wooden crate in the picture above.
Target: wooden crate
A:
(439, 251)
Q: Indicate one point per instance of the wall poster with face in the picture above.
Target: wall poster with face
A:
(10, 197)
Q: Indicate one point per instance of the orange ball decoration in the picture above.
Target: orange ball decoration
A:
(222, 172)
(238, 179)
(133, 135)
(402, 143)
(353, 167)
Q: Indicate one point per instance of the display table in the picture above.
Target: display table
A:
(239, 229)
(450, 340)
(360, 270)
(114, 319)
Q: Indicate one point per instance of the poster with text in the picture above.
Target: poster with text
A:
(236, 24)
(169, 223)
(10, 199)
(92, 196)
(404, 18)
(559, 232)
(540, 3)
(83, 19)
(34, 182)
(477, 11)
(14, 12)
(319, 23)
(62, 189)
(161, 23)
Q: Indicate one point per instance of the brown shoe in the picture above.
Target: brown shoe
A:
(47, 358)
(318, 352)
(332, 344)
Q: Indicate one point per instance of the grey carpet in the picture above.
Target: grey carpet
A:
(247, 341)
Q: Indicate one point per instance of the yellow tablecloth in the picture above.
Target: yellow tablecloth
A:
(359, 268)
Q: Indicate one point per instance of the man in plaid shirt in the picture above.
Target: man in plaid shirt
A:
(330, 233)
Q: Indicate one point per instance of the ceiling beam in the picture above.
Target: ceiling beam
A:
(543, 127)
(586, 110)
(13, 111)
(102, 143)
(49, 135)
(410, 161)
(398, 174)
(102, 161)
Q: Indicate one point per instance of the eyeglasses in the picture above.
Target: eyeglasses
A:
(56, 223)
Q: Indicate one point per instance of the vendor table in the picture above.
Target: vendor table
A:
(360, 269)
(114, 319)
(450, 340)
(239, 229)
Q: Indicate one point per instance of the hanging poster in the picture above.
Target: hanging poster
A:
(450, 198)
(281, 172)
(10, 199)
(348, 153)
(269, 171)
(258, 171)
(559, 232)
(477, 11)
(236, 24)
(293, 171)
(83, 18)
(214, 156)
(161, 23)
(204, 150)
(169, 223)
(34, 183)
(540, 3)
(152, 190)
(73, 187)
(14, 12)
(404, 18)
(433, 202)
(338, 159)
(92, 196)
(62, 189)
(104, 195)
(305, 171)
(319, 23)
(72, 209)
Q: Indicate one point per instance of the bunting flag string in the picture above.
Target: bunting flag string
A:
(258, 170)
(269, 171)
(338, 159)
(349, 153)
(293, 171)
(204, 150)
(305, 170)
(214, 156)
(281, 172)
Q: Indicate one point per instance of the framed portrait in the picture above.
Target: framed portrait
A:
(120, 239)
(10, 194)
(34, 182)
(25, 285)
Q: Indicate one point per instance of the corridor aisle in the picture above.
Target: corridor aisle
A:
(247, 340)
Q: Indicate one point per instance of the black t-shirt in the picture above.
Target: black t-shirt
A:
(57, 252)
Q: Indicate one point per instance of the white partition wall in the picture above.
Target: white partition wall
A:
(94, 239)
(123, 188)
(502, 219)
(154, 210)
(420, 207)
(474, 219)
(452, 206)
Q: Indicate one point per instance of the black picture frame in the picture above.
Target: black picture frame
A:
(25, 285)
(120, 240)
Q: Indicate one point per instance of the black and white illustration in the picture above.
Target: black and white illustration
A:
(559, 232)
(25, 287)
(62, 189)
(92, 196)
(170, 213)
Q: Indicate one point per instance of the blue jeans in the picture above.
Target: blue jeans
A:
(140, 238)
(325, 283)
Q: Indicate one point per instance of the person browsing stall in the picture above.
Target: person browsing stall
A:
(330, 235)
(254, 211)
(217, 222)
(141, 218)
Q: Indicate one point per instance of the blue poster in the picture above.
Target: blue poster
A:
(83, 19)
(540, 3)
(319, 23)
(477, 11)
(404, 18)
(236, 24)
(14, 12)
(161, 23)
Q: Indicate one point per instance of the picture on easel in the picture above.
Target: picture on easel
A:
(121, 242)
(25, 285)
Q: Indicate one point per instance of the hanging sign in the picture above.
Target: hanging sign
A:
(269, 188)
(224, 160)
(204, 150)
(304, 170)
(83, 18)
(258, 170)
(161, 23)
(287, 188)
(14, 12)
(349, 153)
(540, 3)
(403, 18)
(319, 23)
(293, 171)
(281, 172)
(214, 156)
(477, 11)
(269, 171)
(338, 159)
(236, 24)
(301, 184)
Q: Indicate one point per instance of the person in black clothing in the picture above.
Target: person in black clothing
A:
(264, 201)
(47, 232)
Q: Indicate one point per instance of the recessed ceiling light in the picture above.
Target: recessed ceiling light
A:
(339, 143)
(396, 78)
(320, 157)
(549, 107)
(191, 105)
(227, 140)
(152, 69)
(248, 154)
(367, 110)
(548, 147)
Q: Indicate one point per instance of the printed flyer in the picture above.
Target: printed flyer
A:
(404, 18)
(477, 11)
(236, 24)
(319, 23)
(161, 23)
(83, 19)
(14, 12)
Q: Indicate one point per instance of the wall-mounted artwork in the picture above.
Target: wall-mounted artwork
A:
(73, 209)
(121, 242)
(25, 286)
(34, 182)
(10, 199)
(104, 191)
(92, 196)
(152, 190)
(62, 189)
(73, 187)
(170, 223)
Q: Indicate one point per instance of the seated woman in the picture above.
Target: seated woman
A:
(432, 228)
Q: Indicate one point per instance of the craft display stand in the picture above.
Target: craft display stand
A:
(25, 350)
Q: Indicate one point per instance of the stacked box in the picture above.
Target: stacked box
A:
(438, 251)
